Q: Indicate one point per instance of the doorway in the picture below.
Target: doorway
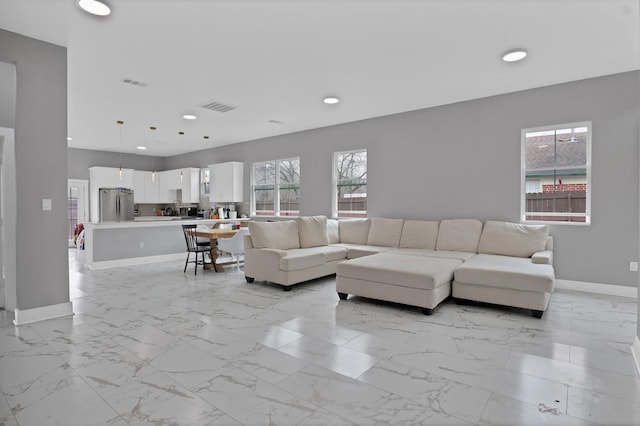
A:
(77, 207)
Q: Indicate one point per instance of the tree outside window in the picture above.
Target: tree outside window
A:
(350, 189)
(276, 188)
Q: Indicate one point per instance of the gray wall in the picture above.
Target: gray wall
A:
(81, 159)
(8, 98)
(463, 160)
(42, 273)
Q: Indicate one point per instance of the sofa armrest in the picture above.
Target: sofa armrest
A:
(263, 264)
(543, 257)
(248, 242)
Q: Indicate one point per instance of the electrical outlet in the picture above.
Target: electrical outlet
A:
(633, 266)
(141, 244)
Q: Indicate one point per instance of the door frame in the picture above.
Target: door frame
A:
(83, 184)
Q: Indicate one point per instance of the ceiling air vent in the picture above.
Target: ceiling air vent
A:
(133, 82)
(217, 106)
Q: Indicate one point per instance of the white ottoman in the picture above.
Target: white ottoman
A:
(400, 278)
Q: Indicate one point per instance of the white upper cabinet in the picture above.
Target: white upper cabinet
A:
(151, 187)
(226, 182)
(145, 187)
(169, 183)
(139, 195)
(190, 185)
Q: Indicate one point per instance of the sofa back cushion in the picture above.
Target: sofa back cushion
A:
(312, 231)
(385, 232)
(513, 239)
(419, 234)
(354, 231)
(459, 235)
(333, 232)
(279, 235)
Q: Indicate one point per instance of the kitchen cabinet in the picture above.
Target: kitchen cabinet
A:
(151, 188)
(190, 185)
(164, 194)
(169, 184)
(106, 177)
(139, 195)
(227, 182)
(205, 182)
(145, 188)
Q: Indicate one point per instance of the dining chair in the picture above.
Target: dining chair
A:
(234, 245)
(194, 247)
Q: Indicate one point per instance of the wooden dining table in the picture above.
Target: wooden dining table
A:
(213, 235)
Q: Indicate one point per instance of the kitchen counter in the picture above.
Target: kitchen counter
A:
(111, 244)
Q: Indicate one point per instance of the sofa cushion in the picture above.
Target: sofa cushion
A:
(280, 235)
(419, 234)
(354, 231)
(313, 231)
(333, 232)
(459, 235)
(506, 272)
(441, 254)
(299, 259)
(359, 250)
(512, 239)
(331, 253)
(385, 232)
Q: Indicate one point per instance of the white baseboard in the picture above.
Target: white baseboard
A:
(26, 316)
(105, 264)
(635, 351)
(586, 287)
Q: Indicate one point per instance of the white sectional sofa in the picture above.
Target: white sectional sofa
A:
(414, 262)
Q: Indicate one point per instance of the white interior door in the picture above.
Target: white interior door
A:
(77, 206)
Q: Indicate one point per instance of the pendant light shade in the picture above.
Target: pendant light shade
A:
(153, 167)
(181, 155)
(120, 123)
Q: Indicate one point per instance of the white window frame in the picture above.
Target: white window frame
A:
(334, 186)
(276, 195)
(523, 165)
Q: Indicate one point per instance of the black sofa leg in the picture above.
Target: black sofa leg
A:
(536, 313)
(427, 311)
(343, 296)
(249, 279)
(286, 288)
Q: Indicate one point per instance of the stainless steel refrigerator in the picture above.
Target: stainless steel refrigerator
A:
(116, 204)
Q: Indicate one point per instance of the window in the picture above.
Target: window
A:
(556, 174)
(276, 188)
(350, 184)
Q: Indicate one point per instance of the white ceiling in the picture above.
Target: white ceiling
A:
(277, 59)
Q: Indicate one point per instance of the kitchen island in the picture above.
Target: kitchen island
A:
(113, 244)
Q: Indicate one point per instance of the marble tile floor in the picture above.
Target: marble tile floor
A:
(151, 345)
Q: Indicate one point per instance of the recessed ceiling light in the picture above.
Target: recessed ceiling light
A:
(189, 117)
(514, 55)
(141, 148)
(331, 100)
(94, 7)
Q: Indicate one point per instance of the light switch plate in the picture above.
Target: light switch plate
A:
(46, 204)
(633, 266)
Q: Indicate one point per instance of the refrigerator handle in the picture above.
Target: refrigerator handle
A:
(118, 209)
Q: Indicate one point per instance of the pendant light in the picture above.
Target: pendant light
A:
(120, 122)
(153, 167)
(181, 155)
